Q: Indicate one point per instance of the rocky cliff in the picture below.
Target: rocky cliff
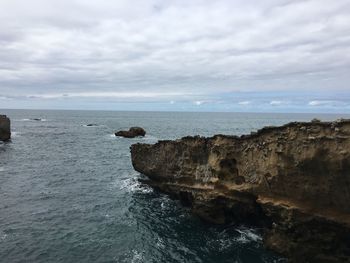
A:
(293, 180)
(5, 129)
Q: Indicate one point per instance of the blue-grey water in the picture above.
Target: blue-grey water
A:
(68, 192)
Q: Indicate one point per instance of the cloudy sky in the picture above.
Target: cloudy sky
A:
(204, 55)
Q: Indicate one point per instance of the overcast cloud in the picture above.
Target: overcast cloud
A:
(176, 55)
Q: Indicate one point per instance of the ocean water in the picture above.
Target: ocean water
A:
(68, 192)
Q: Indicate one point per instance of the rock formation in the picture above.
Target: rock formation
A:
(5, 128)
(132, 132)
(293, 180)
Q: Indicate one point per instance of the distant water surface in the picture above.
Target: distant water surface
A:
(68, 192)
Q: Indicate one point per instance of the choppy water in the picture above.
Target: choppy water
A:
(68, 192)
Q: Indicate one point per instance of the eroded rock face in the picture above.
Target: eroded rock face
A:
(5, 128)
(292, 180)
(132, 132)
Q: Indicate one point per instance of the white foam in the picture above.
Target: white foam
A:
(147, 138)
(160, 243)
(37, 119)
(133, 185)
(247, 235)
(226, 243)
(15, 134)
(150, 138)
(162, 205)
(166, 203)
(137, 256)
(3, 237)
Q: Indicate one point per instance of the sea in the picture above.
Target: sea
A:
(68, 191)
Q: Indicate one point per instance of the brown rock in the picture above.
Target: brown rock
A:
(132, 132)
(5, 128)
(296, 188)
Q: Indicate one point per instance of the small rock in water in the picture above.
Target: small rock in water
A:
(91, 125)
(132, 132)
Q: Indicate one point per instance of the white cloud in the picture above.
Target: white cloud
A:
(4, 98)
(321, 102)
(109, 95)
(246, 102)
(276, 102)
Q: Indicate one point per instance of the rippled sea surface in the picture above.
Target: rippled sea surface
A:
(68, 192)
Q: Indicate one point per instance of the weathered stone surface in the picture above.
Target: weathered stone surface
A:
(5, 128)
(293, 180)
(132, 132)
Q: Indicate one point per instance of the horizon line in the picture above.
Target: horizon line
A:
(178, 111)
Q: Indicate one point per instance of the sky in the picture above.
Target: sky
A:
(176, 55)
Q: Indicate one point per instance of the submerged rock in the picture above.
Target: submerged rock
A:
(293, 180)
(5, 128)
(132, 132)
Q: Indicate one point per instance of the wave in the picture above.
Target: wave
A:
(137, 257)
(133, 185)
(160, 243)
(150, 138)
(3, 237)
(32, 119)
(15, 134)
(236, 238)
(248, 235)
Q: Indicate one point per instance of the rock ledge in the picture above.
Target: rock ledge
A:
(292, 180)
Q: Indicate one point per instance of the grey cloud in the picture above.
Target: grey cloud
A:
(191, 47)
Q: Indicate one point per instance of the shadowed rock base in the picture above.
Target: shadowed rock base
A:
(5, 128)
(293, 180)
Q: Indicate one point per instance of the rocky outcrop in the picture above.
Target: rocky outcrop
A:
(293, 180)
(5, 128)
(132, 132)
